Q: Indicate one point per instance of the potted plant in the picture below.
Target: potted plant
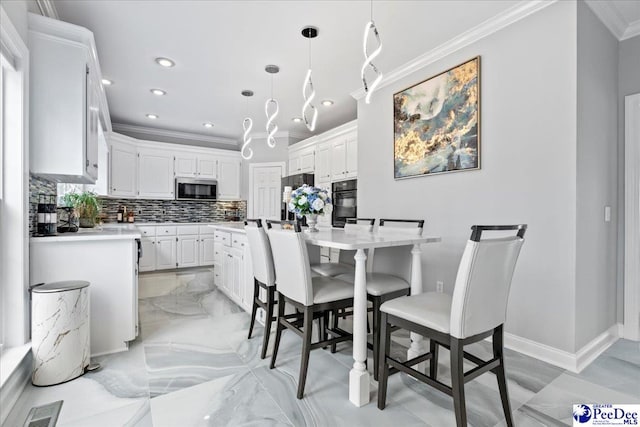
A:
(86, 206)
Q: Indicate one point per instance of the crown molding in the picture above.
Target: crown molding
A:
(611, 17)
(48, 8)
(632, 30)
(492, 25)
(143, 130)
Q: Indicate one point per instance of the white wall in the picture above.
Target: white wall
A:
(597, 131)
(628, 84)
(528, 175)
(17, 11)
(262, 154)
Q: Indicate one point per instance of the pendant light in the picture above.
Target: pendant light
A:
(271, 103)
(247, 124)
(368, 58)
(308, 107)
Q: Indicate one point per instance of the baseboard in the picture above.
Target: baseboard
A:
(574, 362)
(14, 385)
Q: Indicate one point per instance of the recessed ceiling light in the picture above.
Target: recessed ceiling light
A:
(165, 62)
(327, 102)
(208, 125)
(297, 119)
(158, 92)
(152, 116)
(107, 82)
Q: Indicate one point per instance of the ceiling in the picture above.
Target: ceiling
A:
(222, 47)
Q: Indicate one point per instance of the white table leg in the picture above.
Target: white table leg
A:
(417, 341)
(359, 376)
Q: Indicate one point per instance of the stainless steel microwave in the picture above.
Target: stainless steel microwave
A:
(196, 189)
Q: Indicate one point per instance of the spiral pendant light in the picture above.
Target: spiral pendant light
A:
(368, 58)
(308, 92)
(271, 104)
(247, 124)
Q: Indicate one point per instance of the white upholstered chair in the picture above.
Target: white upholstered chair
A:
(476, 311)
(346, 263)
(264, 277)
(390, 273)
(313, 296)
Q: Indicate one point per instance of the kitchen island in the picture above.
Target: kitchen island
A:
(108, 260)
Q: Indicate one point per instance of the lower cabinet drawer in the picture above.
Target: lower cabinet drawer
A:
(239, 240)
(223, 237)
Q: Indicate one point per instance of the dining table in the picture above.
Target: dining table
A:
(359, 377)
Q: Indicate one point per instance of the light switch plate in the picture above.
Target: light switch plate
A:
(607, 214)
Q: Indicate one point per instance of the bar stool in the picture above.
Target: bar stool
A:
(264, 277)
(476, 311)
(345, 264)
(314, 296)
(390, 274)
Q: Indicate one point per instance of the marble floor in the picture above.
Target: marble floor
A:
(192, 365)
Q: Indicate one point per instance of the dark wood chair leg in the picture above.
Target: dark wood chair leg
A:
(306, 350)
(267, 321)
(334, 325)
(457, 382)
(279, 328)
(498, 352)
(383, 368)
(254, 308)
(376, 334)
(433, 364)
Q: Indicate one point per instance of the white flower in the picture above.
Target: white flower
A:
(302, 200)
(317, 205)
(306, 190)
(292, 206)
(323, 195)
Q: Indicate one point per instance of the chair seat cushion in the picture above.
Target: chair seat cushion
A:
(378, 283)
(431, 309)
(328, 289)
(331, 269)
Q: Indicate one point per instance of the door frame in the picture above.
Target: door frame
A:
(631, 328)
(252, 167)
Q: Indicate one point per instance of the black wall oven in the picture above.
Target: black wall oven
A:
(345, 196)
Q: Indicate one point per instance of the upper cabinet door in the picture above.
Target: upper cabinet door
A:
(124, 167)
(351, 170)
(307, 160)
(323, 163)
(228, 179)
(294, 164)
(207, 167)
(186, 164)
(93, 117)
(155, 174)
(338, 159)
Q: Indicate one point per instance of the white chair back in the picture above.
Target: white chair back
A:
(400, 226)
(355, 226)
(395, 261)
(479, 301)
(291, 262)
(261, 257)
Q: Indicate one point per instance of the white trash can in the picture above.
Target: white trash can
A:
(59, 331)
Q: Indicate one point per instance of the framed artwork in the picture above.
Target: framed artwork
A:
(437, 123)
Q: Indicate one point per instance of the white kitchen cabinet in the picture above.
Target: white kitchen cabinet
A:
(148, 259)
(188, 251)
(352, 156)
(207, 167)
(344, 157)
(155, 174)
(323, 165)
(229, 179)
(123, 170)
(185, 164)
(166, 252)
(233, 271)
(302, 160)
(65, 97)
(207, 250)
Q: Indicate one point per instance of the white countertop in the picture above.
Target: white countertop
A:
(120, 233)
(237, 227)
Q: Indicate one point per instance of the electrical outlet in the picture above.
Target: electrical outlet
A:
(440, 286)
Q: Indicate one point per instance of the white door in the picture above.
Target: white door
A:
(207, 167)
(188, 249)
(351, 168)
(207, 250)
(165, 253)
(228, 179)
(155, 174)
(123, 170)
(185, 164)
(148, 259)
(266, 192)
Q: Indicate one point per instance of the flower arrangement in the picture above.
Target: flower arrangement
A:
(308, 200)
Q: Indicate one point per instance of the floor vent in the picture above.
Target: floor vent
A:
(44, 416)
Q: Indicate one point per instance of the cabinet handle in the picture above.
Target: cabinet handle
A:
(95, 165)
(235, 241)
